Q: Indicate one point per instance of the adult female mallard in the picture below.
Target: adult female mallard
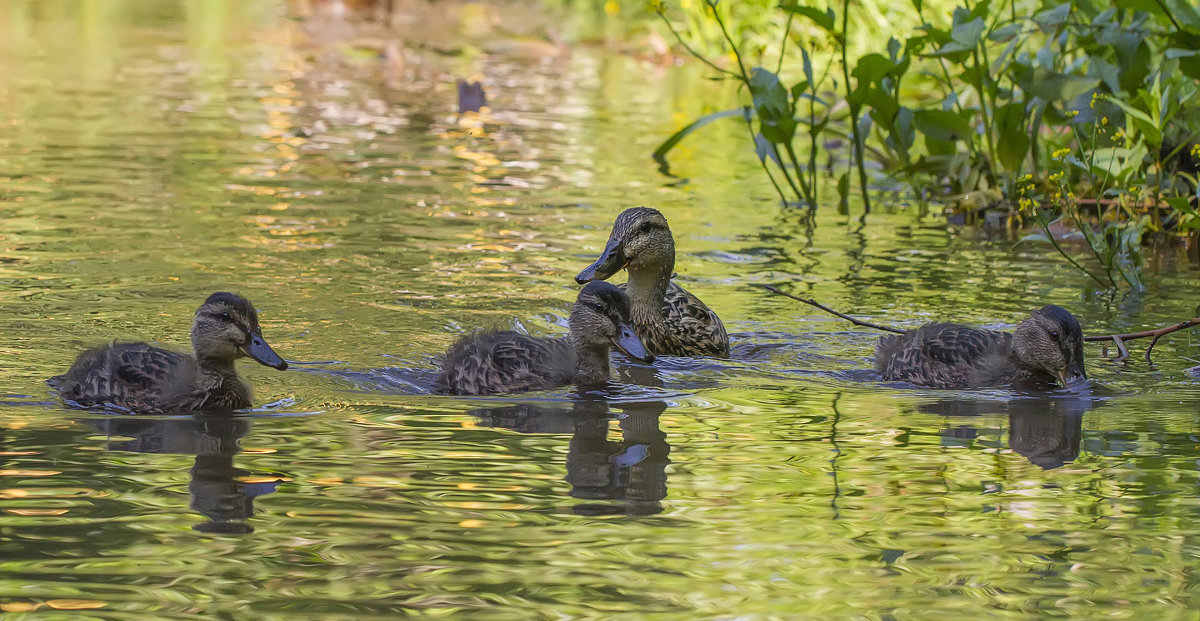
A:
(492, 362)
(1046, 348)
(146, 379)
(670, 321)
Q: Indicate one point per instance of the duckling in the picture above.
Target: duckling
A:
(1046, 348)
(669, 320)
(507, 361)
(147, 379)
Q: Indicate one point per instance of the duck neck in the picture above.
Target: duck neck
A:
(647, 286)
(591, 361)
(219, 367)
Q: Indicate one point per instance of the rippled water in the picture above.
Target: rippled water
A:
(153, 153)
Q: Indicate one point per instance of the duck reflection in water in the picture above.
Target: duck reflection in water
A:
(631, 472)
(1046, 430)
(218, 489)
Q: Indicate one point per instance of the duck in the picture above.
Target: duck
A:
(144, 379)
(670, 320)
(1045, 349)
(494, 361)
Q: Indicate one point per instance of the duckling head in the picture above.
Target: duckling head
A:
(640, 240)
(1051, 340)
(226, 328)
(600, 318)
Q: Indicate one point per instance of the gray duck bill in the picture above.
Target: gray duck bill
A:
(610, 262)
(628, 342)
(262, 353)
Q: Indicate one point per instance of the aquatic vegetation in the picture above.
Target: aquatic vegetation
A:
(1076, 110)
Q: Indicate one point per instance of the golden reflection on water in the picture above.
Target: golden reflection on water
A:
(319, 167)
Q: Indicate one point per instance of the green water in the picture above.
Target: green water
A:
(151, 153)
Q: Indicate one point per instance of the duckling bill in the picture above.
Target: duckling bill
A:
(670, 320)
(1046, 349)
(507, 361)
(147, 379)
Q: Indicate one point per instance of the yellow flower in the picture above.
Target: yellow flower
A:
(1056, 176)
(1072, 114)
(1195, 151)
(611, 7)
(1059, 154)
(1104, 120)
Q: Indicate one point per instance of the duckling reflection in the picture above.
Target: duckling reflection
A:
(631, 472)
(1046, 431)
(218, 490)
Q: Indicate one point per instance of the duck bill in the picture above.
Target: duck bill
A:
(611, 261)
(628, 342)
(262, 353)
(1071, 375)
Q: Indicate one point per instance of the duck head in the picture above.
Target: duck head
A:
(226, 328)
(1051, 341)
(600, 318)
(640, 239)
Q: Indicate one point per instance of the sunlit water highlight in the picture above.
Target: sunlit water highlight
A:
(152, 154)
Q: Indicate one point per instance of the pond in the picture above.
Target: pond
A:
(152, 153)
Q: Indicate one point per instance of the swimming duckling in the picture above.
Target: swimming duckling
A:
(1046, 348)
(492, 362)
(669, 320)
(147, 379)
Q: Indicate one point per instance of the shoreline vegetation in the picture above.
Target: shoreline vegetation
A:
(1079, 117)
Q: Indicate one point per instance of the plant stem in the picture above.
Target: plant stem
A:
(854, 110)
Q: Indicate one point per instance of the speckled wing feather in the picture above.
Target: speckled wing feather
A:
(687, 327)
(493, 362)
(939, 355)
(130, 375)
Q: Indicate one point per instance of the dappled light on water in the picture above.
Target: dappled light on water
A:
(153, 153)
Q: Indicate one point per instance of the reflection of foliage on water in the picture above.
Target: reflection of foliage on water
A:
(1078, 111)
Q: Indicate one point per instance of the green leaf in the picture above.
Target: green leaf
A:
(1033, 237)
(1053, 18)
(770, 97)
(964, 37)
(660, 154)
(1150, 130)
(1013, 136)
(1005, 33)
(823, 19)
(1051, 85)
(942, 125)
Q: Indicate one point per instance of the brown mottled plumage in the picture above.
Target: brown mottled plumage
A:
(150, 380)
(492, 362)
(1046, 348)
(669, 320)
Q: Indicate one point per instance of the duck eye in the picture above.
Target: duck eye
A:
(599, 307)
(645, 227)
(1054, 334)
(226, 317)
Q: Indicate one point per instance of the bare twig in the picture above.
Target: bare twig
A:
(1117, 339)
(816, 304)
(1156, 334)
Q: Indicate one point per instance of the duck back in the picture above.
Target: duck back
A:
(505, 361)
(147, 379)
(944, 355)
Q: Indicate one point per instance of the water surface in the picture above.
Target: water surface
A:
(152, 153)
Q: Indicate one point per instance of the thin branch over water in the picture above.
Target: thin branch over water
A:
(1117, 339)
